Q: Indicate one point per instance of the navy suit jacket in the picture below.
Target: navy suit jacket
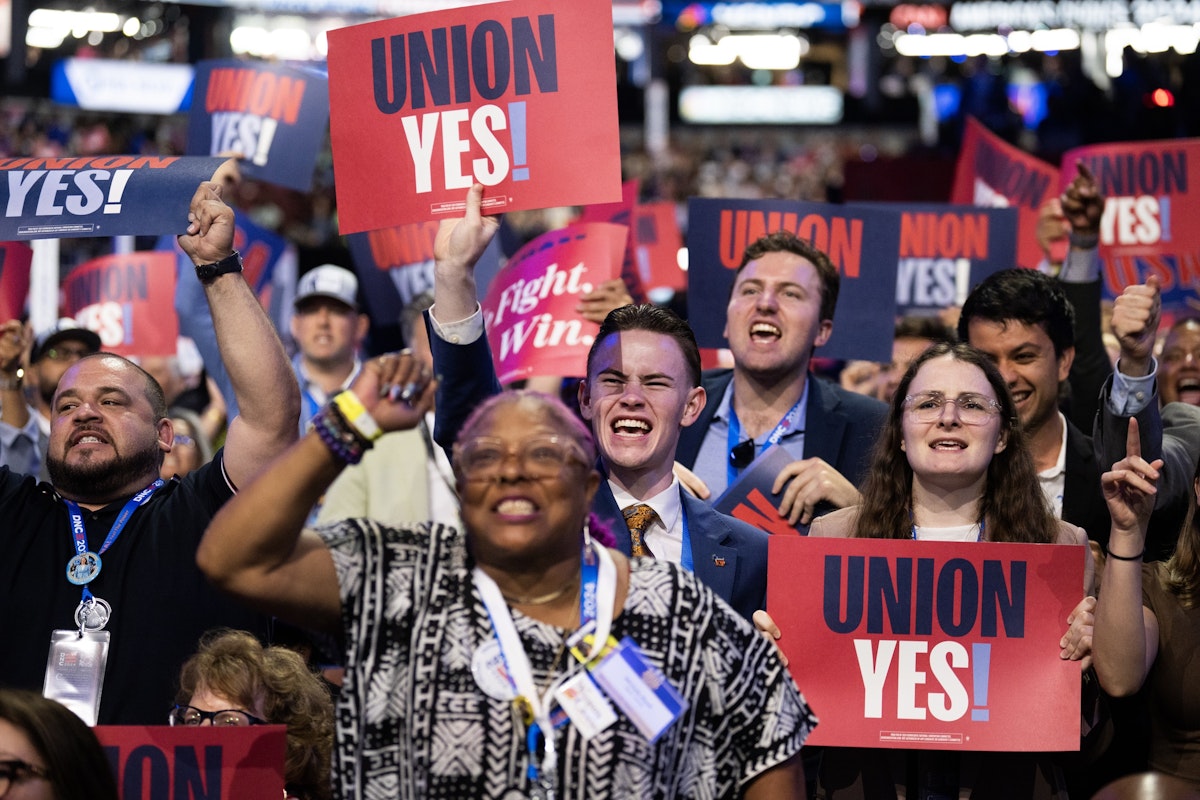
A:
(468, 377)
(840, 426)
(730, 556)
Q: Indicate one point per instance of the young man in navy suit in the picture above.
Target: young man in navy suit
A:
(642, 389)
(780, 309)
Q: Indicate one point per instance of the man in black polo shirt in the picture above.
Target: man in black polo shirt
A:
(109, 431)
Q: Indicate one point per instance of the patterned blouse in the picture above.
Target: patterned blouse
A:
(412, 723)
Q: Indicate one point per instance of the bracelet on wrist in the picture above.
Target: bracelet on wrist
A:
(338, 435)
(357, 416)
(343, 446)
(1138, 557)
(207, 273)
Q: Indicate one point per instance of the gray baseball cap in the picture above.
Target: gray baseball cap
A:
(329, 280)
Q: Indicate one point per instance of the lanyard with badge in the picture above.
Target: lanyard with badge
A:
(788, 424)
(502, 670)
(75, 667)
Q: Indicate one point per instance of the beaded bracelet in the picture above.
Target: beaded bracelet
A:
(1138, 557)
(338, 436)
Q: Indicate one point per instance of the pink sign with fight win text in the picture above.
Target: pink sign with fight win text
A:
(532, 325)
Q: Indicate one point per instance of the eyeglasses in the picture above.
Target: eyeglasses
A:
(184, 439)
(191, 716)
(742, 454)
(973, 409)
(482, 458)
(67, 353)
(13, 771)
(1177, 355)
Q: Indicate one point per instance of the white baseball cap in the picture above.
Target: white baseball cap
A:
(329, 280)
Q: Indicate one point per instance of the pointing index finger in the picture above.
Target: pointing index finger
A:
(1133, 442)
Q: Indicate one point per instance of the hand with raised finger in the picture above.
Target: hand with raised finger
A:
(1082, 203)
(808, 483)
(1129, 489)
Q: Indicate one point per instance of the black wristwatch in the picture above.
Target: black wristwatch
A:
(207, 273)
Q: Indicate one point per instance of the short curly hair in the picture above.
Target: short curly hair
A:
(236, 665)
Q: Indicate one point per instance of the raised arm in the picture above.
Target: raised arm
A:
(264, 386)
(256, 548)
(1082, 207)
(1125, 640)
(464, 366)
(458, 245)
(19, 449)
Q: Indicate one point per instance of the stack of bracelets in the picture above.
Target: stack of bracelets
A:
(346, 427)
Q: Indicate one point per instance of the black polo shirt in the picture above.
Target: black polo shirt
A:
(161, 603)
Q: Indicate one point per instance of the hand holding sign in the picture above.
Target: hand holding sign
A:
(458, 245)
(1052, 230)
(1135, 324)
(1076, 644)
(209, 236)
(770, 631)
(595, 305)
(809, 482)
(1129, 489)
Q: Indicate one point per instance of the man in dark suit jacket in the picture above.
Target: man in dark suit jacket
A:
(642, 388)
(781, 308)
(1024, 320)
(840, 427)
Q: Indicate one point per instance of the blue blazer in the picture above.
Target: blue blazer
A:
(730, 556)
(840, 426)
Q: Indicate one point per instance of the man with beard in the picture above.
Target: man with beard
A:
(132, 604)
(1023, 320)
(25, 429)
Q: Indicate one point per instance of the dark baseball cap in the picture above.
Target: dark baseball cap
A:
(65, 330)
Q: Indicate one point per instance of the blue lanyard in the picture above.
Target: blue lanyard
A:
(79, 532)
(734, 437)
(589, 579)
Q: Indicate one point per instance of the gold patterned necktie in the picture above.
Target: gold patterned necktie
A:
(639, 517)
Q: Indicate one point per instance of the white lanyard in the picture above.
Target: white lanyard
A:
(597, 598)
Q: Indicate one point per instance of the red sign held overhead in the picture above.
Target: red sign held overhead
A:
(510, 95)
